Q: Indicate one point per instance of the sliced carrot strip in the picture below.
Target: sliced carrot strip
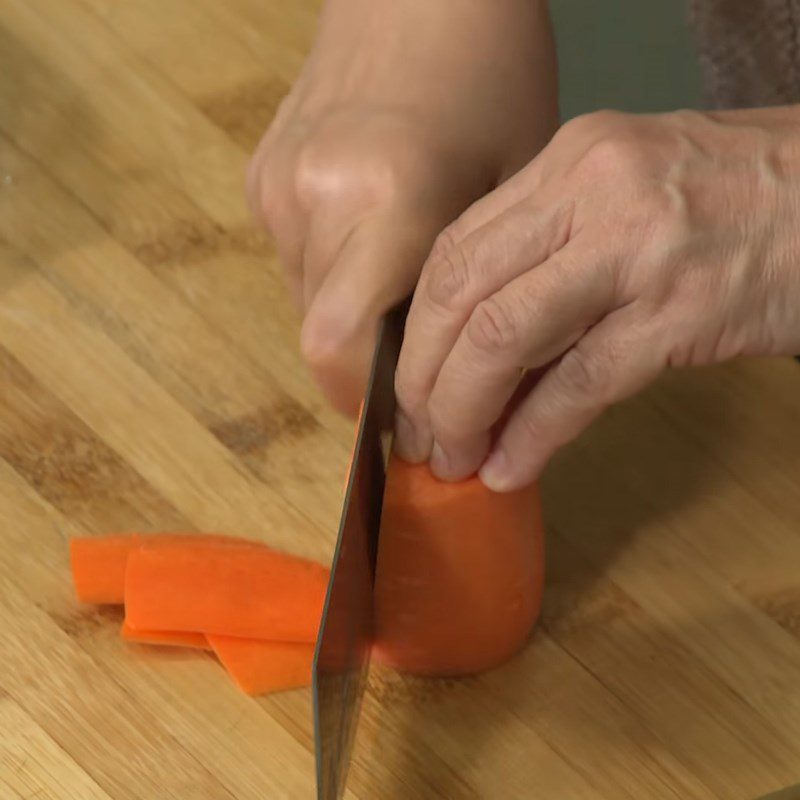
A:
(98, 566)
(99, 562)
(460, 571)
(196, 641)
(259, 667)
(232, 590)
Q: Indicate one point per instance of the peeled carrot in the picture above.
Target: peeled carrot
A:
(231, 589)
(195, 641)
(99, 562)
(98, 567)
(259, 667)
(459, 575)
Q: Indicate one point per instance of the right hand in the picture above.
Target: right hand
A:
(404, 114)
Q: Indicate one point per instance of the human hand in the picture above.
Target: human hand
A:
(403, 115)
(630, 244)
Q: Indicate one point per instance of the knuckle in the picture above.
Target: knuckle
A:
(309, 175)
(616, 152)
(579, 373)
(443, 243)
(334, 172)
(493, 327)
(611, 154)
(447, 274)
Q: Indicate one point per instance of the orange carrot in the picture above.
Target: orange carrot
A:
(98, 567)
(459, 575)
(195, 641)
(231, 589)
(99, 562)
(259, 667)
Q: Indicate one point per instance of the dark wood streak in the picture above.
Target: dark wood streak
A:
(192, 241)
(245, 112)
(84, 621)
(253, 433)
(783, 607)
(68, 465)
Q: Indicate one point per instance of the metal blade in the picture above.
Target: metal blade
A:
(342, 655)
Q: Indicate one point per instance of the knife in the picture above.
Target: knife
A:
(341, 659)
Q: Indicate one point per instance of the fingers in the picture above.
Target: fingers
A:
(617, 358)
(376, 267)
(328, 229)
(510, 192)
(528, 323)
(455, 280)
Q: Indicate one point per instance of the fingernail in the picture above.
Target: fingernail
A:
(440, 462)
(406, 440)
(496, 472)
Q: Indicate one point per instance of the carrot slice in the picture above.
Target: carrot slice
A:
(459, 575)
(231, 589)
(259, 667)
(99, 562)
(195, 641)
(98, 566)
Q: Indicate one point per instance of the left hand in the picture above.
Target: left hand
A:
(630, 244)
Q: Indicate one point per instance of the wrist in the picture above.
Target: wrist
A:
(414, 47)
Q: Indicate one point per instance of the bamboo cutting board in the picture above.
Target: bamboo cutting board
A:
(149, 380)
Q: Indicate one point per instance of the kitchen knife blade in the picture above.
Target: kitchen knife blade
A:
(341, 659)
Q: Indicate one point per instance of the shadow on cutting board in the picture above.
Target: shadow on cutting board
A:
(631, 470)
(790, 793)
(448, 738)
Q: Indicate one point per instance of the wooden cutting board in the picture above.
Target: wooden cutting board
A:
(149, 380)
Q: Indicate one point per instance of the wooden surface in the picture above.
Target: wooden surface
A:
(149, 379)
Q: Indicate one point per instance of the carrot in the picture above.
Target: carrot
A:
(259, 667)
(195, 641)
(98, 567)
(459, 575)
(99, 562)
(231, 589)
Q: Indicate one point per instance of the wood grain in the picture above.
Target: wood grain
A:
(149, 379)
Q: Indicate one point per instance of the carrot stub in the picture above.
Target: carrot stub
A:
(460, 572)
(259, 667)
(231, 589)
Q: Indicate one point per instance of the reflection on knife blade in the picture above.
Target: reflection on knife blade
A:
(342, 657)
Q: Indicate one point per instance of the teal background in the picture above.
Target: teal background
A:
(630, 55)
